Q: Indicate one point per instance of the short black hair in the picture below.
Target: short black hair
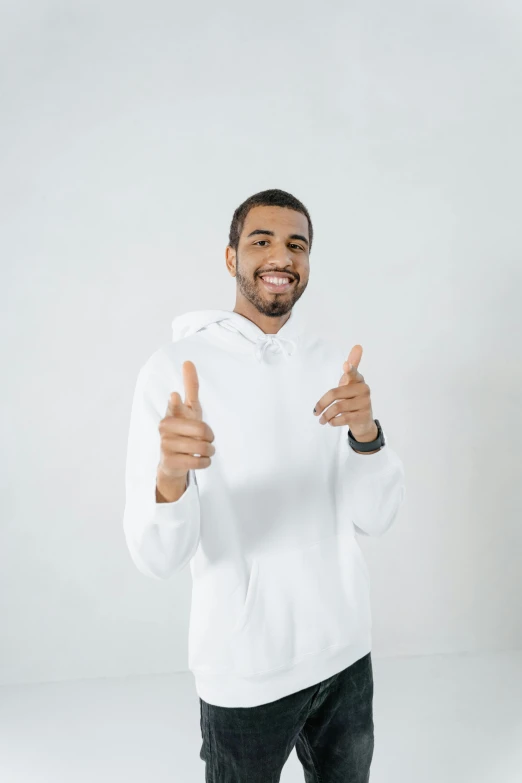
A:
(266, 198)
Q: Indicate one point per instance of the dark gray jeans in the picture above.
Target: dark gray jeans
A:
(330, 725)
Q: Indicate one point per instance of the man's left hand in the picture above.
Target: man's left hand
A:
(352, 401)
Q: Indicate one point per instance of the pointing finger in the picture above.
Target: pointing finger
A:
(175, 405)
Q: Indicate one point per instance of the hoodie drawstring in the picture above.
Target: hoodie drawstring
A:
(273, 342)
(267, 341)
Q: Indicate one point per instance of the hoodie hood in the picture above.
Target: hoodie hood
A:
(285, 341)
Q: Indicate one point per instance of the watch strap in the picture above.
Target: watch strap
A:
(373, 445)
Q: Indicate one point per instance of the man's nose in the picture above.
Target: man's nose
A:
(279, 256)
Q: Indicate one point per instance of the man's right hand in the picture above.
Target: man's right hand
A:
(183, 435)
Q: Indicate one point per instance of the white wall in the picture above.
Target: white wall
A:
(130, 133)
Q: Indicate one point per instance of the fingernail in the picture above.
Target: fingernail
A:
(314, 410)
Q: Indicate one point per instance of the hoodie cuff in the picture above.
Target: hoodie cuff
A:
(179, 511)
(366, 464)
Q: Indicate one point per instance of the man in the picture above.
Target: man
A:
(259, 478)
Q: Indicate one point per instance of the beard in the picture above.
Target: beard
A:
(269, 304)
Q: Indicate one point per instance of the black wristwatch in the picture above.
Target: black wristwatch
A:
(373, 445)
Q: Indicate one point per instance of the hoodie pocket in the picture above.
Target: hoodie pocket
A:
(300, 602)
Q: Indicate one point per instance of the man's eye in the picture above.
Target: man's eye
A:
(292, 244)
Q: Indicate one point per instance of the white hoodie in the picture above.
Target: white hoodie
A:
(280, 588)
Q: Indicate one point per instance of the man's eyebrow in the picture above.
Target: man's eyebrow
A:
(271, 234)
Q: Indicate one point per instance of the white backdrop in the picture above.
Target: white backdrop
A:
(130, 133)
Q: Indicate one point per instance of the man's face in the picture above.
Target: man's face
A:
(274, 241)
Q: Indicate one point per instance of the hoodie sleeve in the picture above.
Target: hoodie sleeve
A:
(161, 537)
(372, 487)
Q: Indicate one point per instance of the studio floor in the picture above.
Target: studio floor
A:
(438, 719)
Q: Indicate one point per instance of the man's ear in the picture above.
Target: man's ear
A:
(230, 259)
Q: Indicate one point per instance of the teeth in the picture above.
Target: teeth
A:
(277, 280)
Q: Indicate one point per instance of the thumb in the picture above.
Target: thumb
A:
(191, 384)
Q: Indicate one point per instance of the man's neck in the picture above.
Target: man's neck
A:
(267, 324)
